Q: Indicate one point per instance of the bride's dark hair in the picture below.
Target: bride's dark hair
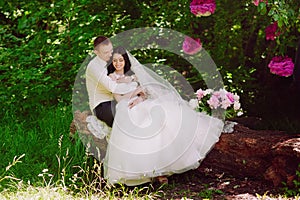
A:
(122, 51)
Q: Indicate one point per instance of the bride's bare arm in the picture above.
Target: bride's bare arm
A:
(139, 93)
(119, 97)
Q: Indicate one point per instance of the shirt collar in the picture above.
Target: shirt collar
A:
(101, 61)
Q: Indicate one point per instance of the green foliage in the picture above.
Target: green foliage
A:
(208, 193)
(43, 44)
(292, 191)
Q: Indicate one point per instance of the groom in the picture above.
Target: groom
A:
(100, 86)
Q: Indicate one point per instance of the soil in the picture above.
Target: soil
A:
(204, 183)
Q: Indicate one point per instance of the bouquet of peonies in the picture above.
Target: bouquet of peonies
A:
(221, 100)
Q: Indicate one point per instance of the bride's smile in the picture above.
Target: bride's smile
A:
(119, 63)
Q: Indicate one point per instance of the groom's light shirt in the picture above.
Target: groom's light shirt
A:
(100, 86)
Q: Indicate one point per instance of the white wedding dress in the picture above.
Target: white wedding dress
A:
(159, 136)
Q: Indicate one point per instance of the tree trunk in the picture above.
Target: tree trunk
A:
(271, 156)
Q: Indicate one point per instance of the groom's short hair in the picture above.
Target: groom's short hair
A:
(101, 40)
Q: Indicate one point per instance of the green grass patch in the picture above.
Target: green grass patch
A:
(43, 138)
(39, 159)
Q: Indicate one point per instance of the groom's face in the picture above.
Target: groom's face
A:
(104, 51)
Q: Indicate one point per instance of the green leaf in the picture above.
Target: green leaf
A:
(276, 17)
(271, 12)
(280, 23)
(22, 23)
(262, 8)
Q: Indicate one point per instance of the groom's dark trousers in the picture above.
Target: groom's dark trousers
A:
(105, 111)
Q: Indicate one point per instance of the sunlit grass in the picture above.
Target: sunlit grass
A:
(32, 193)
(40, 161)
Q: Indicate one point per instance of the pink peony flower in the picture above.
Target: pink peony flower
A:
(203, 7)
(218, 94)
(226, 103)
(230, 97)
(272, 31)
(236, 97)
(282, 66)
(213, 102)
(191, 46)
(208, 91)
(200, 94)
(236, 106)
(256, 2)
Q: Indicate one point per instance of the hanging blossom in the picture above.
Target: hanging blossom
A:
(272, 31)
(282, 66)
(191, 46)
(256, 2)
(203, 7)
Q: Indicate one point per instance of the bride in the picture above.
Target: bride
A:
(155, 133)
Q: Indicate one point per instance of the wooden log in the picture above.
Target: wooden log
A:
(271, 156)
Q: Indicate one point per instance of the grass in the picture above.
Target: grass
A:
(41, 137)
(39, 160)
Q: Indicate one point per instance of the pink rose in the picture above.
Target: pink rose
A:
(256, 2)
(213, 102)
(191, 46)
(272, 31)
(203, 7)
(282, 66)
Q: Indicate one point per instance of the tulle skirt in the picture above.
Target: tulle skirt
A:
(157, 137)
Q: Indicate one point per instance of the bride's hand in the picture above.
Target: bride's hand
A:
(113, 77)
(135, 101)
(124, 79)
(139, 91)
